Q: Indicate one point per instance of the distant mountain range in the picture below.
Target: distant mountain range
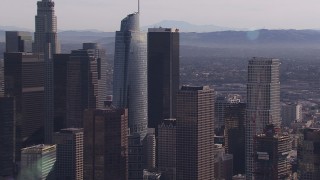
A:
(13, 28)
(261, 39)
(188, 27)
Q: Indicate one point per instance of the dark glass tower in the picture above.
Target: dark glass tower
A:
(272, 150)
(82, 85)
(17, 41)
(60, 62)
(163, 74)
(1, 77)
(105, 143)
(24, 79)
(130, 74)
(234, 135)
(309, 154)
(7, 136)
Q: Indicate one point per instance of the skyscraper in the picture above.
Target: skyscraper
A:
(100, 55)
(24, 79)
(163, 74)
(223, 163)
(82, 85)
(1, 77)
(45, 35)
(271, 156)
(234, 134)
(167, 148)
(60, 62)
(149, 147)
(195, 146)
(18, 41)
(130, 74)
(220, 104)
(309, 154)
(7, 136)
(291, 112)
(263, 104)
(105, 143)
(69, 161)
(46, 43)
(37, 162)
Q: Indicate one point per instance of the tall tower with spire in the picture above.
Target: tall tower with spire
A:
(130, 74)
(46, 43)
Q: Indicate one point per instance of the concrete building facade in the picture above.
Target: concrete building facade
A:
(263, 104)
(195, 133)
(69, 158)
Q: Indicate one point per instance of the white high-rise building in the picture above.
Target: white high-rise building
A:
(263, 104)
(130, 74)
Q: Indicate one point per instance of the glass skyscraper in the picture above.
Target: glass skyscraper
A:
(130, 74)
(163, 74)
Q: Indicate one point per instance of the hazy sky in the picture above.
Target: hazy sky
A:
(106, 14)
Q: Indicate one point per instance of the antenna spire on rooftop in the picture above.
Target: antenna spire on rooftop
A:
(138, 6)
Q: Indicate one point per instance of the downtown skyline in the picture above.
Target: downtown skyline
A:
(247, 14)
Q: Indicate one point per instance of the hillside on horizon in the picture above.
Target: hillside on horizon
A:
(271, 43)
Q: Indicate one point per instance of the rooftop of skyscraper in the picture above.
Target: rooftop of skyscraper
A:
(131, 22)
(40, 148)
(194, 88)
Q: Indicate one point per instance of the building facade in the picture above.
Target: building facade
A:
(163, 74)
(7, 136)
(309, 154)
(149, 147)
(24, 80)
(167, 148)
(100, 55)
(291, 112)
(106, 139)
(45, 35)
(220, 104)
(272, 150)
(130, 74)
(18, 41)
(223, 163)
(234, 135)
(1, 77)
(195, 133)
(263, 104)
(60, 62)
(82, 85)
(136, 157)
(46, 43)
(69, 158)
(37, 162)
